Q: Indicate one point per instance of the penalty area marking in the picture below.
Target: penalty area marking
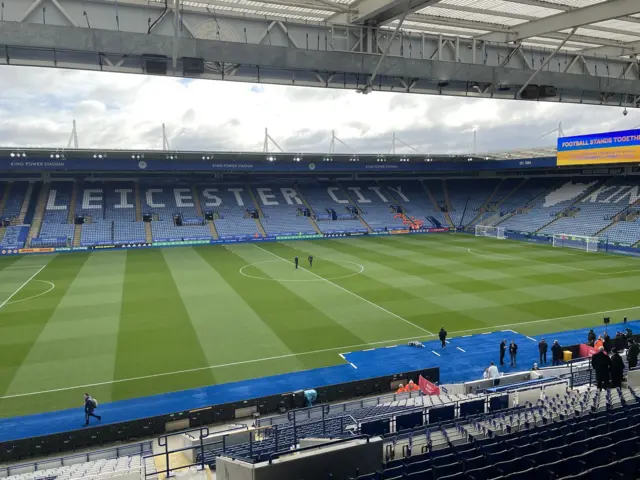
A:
(290, 355)
(319, 279)
(51, 287)
(463, 351)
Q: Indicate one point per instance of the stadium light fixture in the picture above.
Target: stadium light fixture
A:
(136, 156)
(469, 159)
(271, 158)
(171, 157)
(18, 155)
(296, 159)
(207, 157)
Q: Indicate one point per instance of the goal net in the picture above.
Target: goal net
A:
(581, 242)
(489, 231)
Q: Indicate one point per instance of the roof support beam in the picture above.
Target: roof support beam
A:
(631, 48)
(575, 18)
(379, 12)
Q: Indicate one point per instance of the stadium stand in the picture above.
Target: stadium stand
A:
(230, 206)
(75, 468)
(466, 197)
(598, 210)
(435, 190)
(376, 206)
(334, 213)
(415, 203)
(529, 210)
(283, 210)
(15, 236)
(15, 200)
(584, 433)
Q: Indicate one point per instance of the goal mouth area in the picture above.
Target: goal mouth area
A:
(580, 242)
(490, 231)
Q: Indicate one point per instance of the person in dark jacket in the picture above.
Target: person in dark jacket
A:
(591, 338)
(632, 354)
(89, 406)
(556, 353)
(601, 363)
(617, 369)
(503, 350)
(542, 348)
(608, 343)
(443, 336)
(513, 353)
(620, 342)
(296, 262)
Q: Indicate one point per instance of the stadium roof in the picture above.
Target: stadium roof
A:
(603, 27)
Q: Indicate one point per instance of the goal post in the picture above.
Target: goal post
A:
(580, 242)
(489, 231)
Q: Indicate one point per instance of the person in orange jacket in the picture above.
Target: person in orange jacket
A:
(401, 389)
(599, 343)
(412, 387)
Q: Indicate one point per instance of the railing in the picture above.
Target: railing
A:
(163, 441)
(125, 451)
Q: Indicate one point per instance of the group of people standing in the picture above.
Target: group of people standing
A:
(607, 361)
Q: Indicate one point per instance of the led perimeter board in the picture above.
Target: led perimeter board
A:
(600, 148)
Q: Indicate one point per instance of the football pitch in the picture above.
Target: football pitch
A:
(125, 324)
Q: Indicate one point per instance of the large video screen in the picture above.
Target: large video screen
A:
(600, 148)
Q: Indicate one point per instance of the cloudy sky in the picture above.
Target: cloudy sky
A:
(37, 107)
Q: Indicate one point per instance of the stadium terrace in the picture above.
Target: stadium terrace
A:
(338, 314)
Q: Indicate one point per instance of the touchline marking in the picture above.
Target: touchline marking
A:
(289, 355)
(342, 355)
(531, 338)
(348, 291)
(21, 287)
(463, 351)
(353, 365)
(435, 353)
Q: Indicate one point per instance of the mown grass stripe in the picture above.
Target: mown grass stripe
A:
(155, 333)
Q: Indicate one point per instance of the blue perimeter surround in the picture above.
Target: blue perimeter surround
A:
(455, 366)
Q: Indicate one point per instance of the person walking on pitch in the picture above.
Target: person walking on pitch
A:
(296, 260)
(443, 337)
(310, 261)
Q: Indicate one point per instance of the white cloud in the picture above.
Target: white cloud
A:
(37, 107)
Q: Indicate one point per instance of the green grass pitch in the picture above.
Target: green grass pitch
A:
(132, 323)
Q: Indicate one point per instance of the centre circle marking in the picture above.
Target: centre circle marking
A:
(242, 272)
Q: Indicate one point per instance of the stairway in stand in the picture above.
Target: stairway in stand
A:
(38, 215)
(147, 232)
(77, 235)
(3, 200)
(213, 230)
(72, 204)
(138, 202)
(25, 206)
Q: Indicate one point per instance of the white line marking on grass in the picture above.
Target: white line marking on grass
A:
(342, 355)
(290, 355)
(353, 365)
(392, 346)
(34, 296)
(347, 291)
(499, 256)
(21, 267)
(297, 280)
(21, 287)
(512, 331)
(368, 350)
(485, 333)
(463, 351)
(435, 353)
(533, 339)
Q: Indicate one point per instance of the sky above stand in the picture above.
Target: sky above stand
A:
(37, 108)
